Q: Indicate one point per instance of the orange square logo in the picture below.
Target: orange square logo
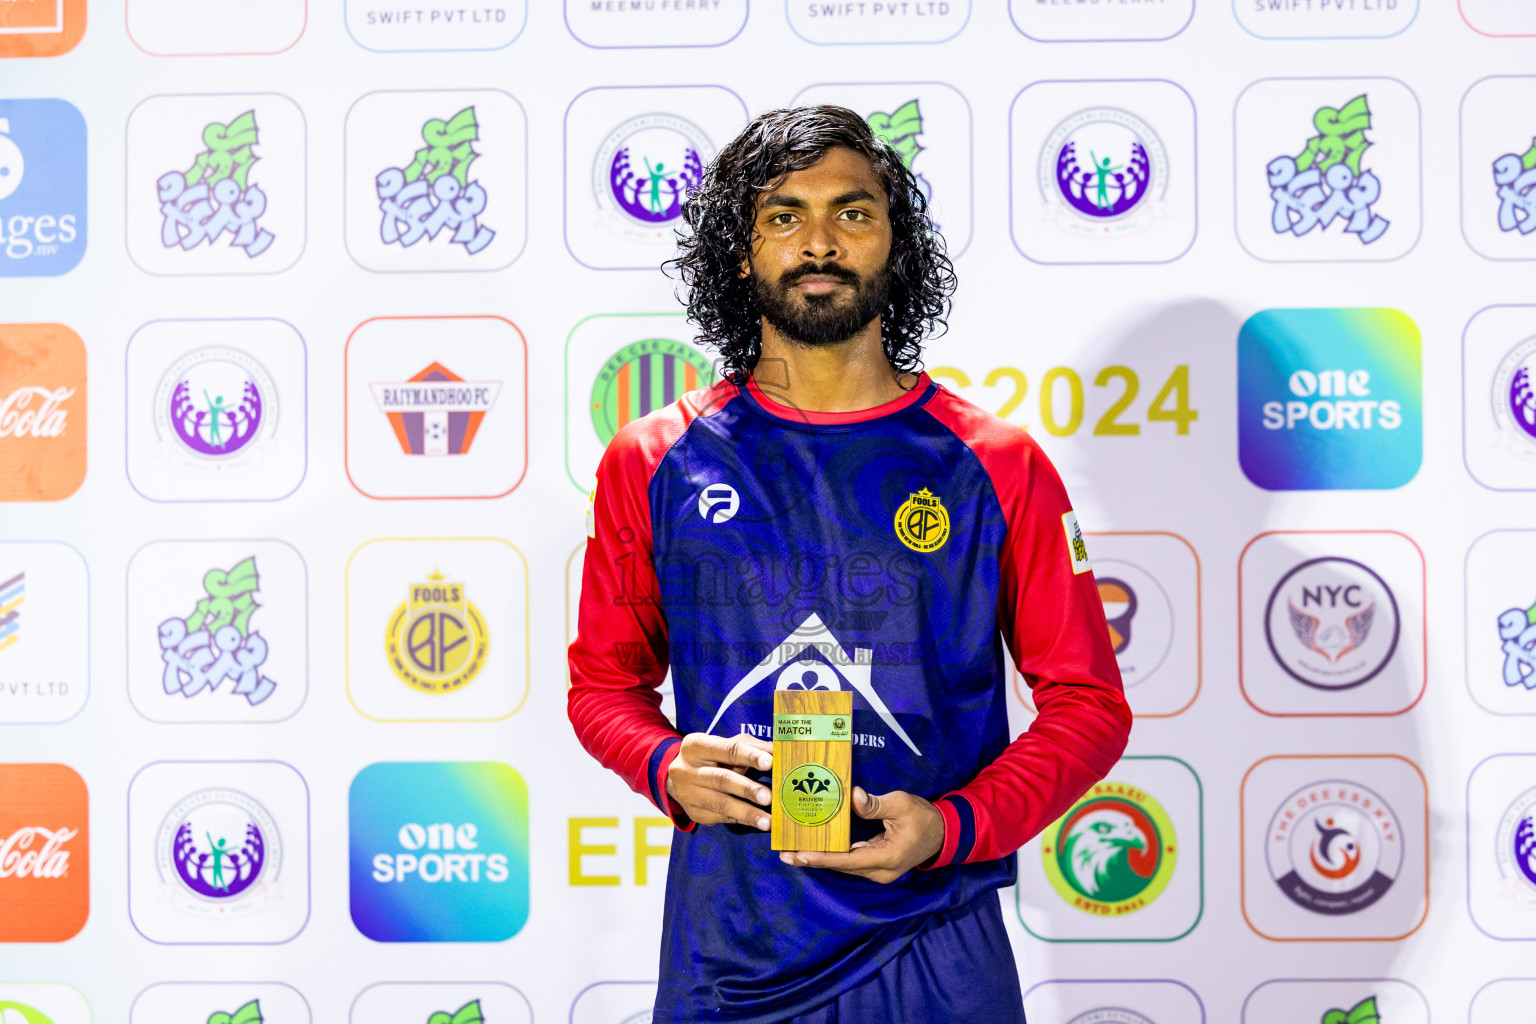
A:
(45, 861)
(42, 412)
(40, 28)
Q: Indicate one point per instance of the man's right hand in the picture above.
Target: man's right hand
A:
(708, 779)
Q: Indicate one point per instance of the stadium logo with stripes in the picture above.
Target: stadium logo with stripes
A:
(642, 377)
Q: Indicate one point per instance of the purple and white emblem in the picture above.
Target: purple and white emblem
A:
(645, 169)
(215, 410)
(219, 853)
(1102, 172)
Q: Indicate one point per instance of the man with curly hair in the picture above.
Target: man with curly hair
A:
(826, 516)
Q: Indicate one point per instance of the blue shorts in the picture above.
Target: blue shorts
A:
(959, 970)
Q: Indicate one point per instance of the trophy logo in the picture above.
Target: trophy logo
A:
(1515, 851)
(1514, 400)
(469, 1013)
(436, 641)
(12, 595)
(434, 194)
(1103, 172)
(1517, 628)
(1334, 847)
(215, 411)
(1111, 1015)
(216, 642)
(1326, 181)
(811, 794)
(1363, 1012)
(1112, 853)
(219, 854)
(644, 170)
(436, 412)
(1332, 623)
(250, 1013)
(642, 377)
(922, 522)
(1515, 174)
(217, 194)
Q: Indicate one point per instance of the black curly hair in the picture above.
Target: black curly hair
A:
(720, 214)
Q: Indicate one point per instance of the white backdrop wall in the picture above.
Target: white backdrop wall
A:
(340, 534)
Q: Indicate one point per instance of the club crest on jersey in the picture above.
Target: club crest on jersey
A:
(436, 640)
(922, 522)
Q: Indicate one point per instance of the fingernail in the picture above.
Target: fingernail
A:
(762, 796)
(762, 823)
(786, 858)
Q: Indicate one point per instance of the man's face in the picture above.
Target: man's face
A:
(821, 250)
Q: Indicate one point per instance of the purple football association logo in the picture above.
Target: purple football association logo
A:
(644, 171)
(215, 409)
(1103, 169)
(219, 848)
(1515, 850)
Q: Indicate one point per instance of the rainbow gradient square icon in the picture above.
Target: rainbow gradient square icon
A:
(1329, 399)
(439, 851)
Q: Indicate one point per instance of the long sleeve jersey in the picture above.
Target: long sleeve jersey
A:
(748, 546)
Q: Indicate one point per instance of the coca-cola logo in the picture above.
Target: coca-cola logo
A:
(34, 412)
(36, 852)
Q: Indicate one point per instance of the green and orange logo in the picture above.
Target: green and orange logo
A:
(1112, 853)
(643, 377)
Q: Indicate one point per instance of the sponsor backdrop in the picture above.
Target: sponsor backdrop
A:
(315, 319)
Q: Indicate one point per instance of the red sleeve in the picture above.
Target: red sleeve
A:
(1053, 622)
(619, 657)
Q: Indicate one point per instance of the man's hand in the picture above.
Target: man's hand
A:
(708, 779)
(914, 833)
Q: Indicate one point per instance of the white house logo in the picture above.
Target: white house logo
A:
(219, 855)
(1514, 400)
(1332, 623)
(1334, 847)
(1111, 1015)
(718, 503)
(1332, 400)
(818, 663)
(216, 412)
(440, 852)
(1515, 851)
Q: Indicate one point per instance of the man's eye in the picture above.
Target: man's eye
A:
(782, 218)
(855, 214)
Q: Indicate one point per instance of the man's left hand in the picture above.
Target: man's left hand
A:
(914, 833)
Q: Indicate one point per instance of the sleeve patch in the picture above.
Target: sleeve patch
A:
(1077, 550)
(592, 510)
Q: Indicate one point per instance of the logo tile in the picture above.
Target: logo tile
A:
(619, 367)
(1327, 169)
(1062, 22)
(217, 410)
(437, 630)
(1103, 172)
(644, 26)
(45, 854)
(1498, 169)
(631, 156)
(436, 180)
(929, 125)
(1150, 586)
(257, 1002)
(1501, 846)
(1329, 399)
(214, 28)
(42, 1003)
(1501, 622)
(43, 222)
(439, 852)
(218, 852)
(1499, 397)
(1332, 623)
(1336, 1001)
(455, 1002)
(437, 407)
(1335, 848)
(217, 631)
(45, 661)
(216, 184)
(866, 24)
(1124, 864)
(389, 29)
(41, 28)
(1113, 1001)
(42, 412)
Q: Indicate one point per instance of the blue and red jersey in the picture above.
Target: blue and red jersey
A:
(748, 546)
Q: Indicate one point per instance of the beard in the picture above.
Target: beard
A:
(821, 320)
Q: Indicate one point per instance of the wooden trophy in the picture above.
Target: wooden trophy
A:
(812, 769)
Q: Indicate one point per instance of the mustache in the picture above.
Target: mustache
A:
(841, 273)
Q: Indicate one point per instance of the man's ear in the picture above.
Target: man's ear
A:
(744, 271)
